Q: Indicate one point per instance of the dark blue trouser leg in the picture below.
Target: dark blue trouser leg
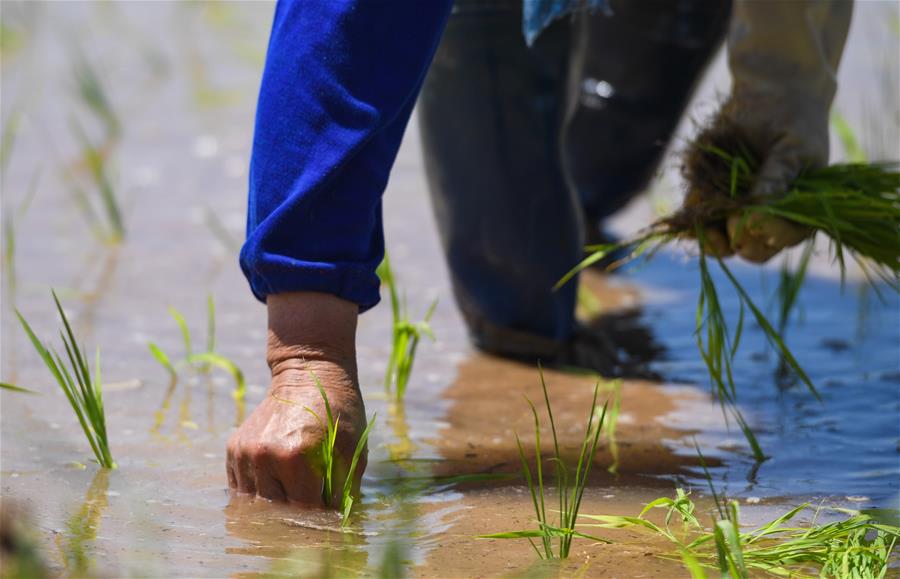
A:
(630, 78)
(524, 147)
(490, 113)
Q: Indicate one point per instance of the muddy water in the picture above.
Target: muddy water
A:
(182, 79)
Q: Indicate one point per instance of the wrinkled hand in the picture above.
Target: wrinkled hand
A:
(276, 453)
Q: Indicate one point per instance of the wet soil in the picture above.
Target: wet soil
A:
(180, 167)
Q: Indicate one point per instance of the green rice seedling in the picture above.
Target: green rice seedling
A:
(405, 335)
(14, 388)
(347, 499)
(329, 457)
(588, 302)
(93, 94)
(856, 205)
(108, 224)
(84, 392)
(211, 358)
(860, 545)
(570, 485)
(185, 331)
(10, 220)
(8, 137)
(789, 283)
(204, 361)
(609, 425)
(847, 137)
(162, 358)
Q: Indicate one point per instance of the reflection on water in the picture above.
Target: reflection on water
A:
(848, 443)
(75, 544)
(440, 463)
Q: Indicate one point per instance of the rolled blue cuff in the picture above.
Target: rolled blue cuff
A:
(274, 274)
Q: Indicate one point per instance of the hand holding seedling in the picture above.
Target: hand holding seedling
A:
(277, 453)
(783, 62)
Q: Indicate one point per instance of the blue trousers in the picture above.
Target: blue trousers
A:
(339, 84)
(526, 149)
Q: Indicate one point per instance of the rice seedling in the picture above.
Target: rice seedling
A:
(14, 388)
(588, 304)
(857, 206)
(203, 361)
(789, 283)
(107, 224)
(84, 392)
(185, 331)
(10, 220)
(211, 358)
(609, 425)
(405, 335)
(163, 359)
(330, 469)
(93, 94)
(570, 485)
(847, 137)
(8, 137)
(860, 545)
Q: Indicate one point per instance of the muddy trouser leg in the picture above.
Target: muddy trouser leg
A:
(490, 114)
(631, 76)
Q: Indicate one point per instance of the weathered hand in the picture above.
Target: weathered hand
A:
(276, 452)
(783, 58)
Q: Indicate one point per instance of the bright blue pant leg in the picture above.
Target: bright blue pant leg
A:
(340, 81)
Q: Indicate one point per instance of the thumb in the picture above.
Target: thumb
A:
(783, 164)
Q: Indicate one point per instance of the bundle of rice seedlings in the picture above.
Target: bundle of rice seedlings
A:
(856, 205)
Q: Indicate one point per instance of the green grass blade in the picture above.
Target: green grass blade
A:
(226, 364)
(14, 388)
(185, 332)
(346, 498)
(162, 358)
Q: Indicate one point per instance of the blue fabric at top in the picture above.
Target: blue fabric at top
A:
(539, 14)
(340, 81)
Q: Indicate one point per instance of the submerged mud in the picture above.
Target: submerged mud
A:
(180, 168)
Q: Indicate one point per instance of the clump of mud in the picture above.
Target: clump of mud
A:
(706, 172)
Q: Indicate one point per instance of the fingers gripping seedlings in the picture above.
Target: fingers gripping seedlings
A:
(332, 466)
(83, 390)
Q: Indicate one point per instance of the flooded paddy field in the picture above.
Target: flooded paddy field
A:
(173, 136)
